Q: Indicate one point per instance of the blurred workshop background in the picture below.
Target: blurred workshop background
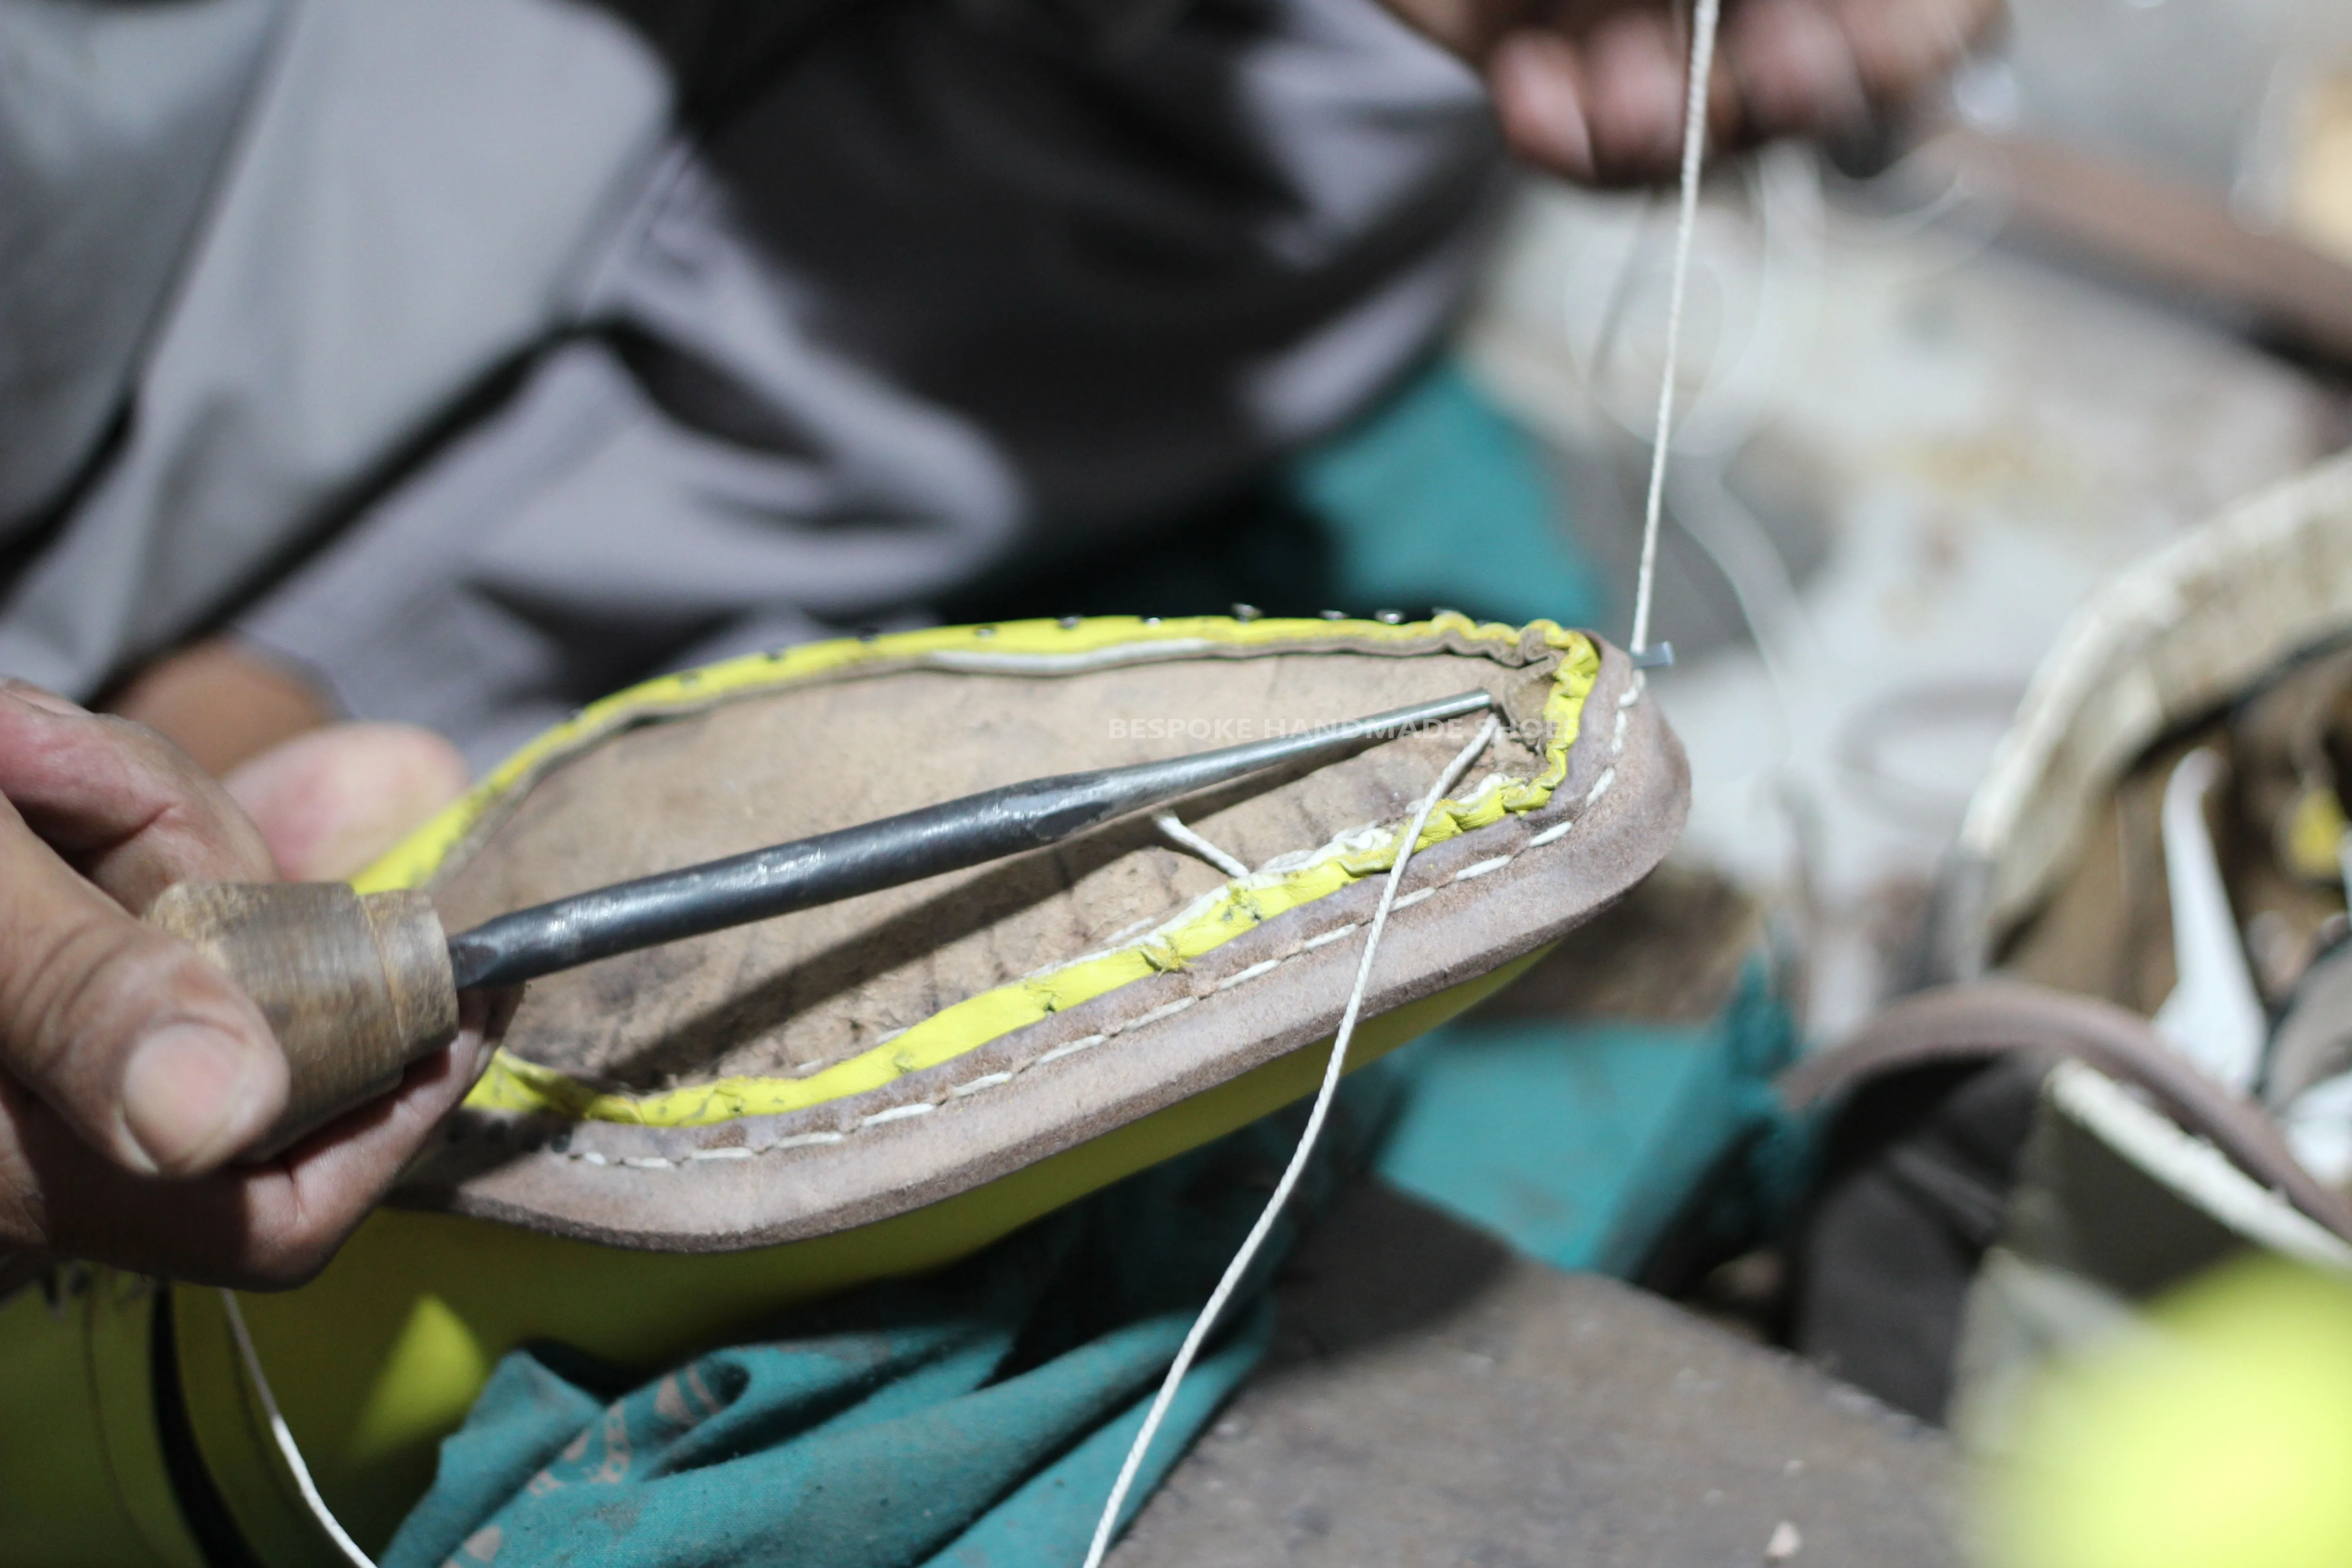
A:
(1941, 393)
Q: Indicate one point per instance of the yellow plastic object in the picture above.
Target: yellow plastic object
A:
(2218, 1436)
(378, 1358)
(512, 1083)
(81, 1468)
(2313, 841)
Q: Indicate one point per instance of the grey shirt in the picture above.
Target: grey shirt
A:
(514, 349)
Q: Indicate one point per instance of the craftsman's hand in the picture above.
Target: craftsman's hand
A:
(131, 1073)
(1594, 89)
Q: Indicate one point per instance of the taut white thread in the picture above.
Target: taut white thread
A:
(1703, 26)
(284, 1437)
(1315, 1118)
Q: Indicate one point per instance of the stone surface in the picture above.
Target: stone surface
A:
(1434, 1399)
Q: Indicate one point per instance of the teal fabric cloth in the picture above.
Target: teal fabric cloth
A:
(1439, 496)
(975, 1419)
(1584, 1143)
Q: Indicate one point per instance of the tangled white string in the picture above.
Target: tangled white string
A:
(1207, 1320)
(1702, 68)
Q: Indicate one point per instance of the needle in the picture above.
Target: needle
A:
(976, 829)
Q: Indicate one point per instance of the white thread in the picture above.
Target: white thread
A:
(898, 1113)
(1703, 25)
(284, 1438)
(986, 1080)
(1170, 1010)
(1246, 976)
(1327, 938)
(1185, 837)
(1315, 1118)
(1556, 832)
(645, 1162)
(800, 1140)
(732, 1152)
(1482, 867)
(1084, 1042)
(1600, 786)
(1413, 897)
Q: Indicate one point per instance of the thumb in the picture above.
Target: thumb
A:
(150, 1054)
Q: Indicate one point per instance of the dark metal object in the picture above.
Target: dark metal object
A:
(996, 823)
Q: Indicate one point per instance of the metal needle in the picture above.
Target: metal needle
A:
(695, 900)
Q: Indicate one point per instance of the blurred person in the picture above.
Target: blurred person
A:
(443, 365)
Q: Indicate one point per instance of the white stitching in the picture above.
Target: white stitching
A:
(1600, 787)
(974, 1086)
(1167, 1011)
(1085, 1043)
(799, 1139)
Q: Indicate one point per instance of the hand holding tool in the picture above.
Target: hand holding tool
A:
(357, 986)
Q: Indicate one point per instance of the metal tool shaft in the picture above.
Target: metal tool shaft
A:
(695, 900)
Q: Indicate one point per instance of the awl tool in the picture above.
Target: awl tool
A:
(357, 986)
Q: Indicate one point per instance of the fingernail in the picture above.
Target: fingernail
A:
(1654, 88)
(186, 1097)
(1547, 109)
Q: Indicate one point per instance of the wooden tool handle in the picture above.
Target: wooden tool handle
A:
(354, 988)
